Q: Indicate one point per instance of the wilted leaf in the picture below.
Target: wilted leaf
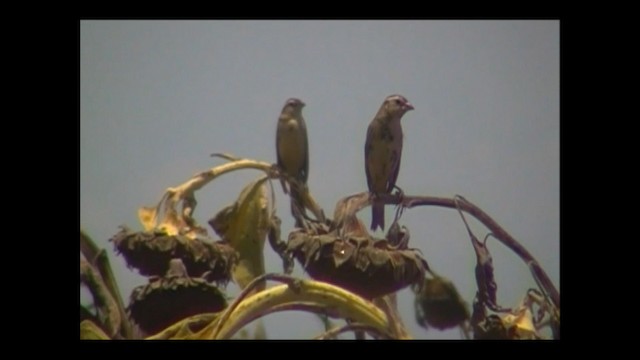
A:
(491, 328)
(147, 217)
(245, 225)
(522, 322)
(172, 223)
(344, 214)
(439, 304)
(222, 220)
(487, 286)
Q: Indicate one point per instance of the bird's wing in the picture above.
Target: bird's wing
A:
(395, 158)
(278, 131)
(367, 152)
(304, 172)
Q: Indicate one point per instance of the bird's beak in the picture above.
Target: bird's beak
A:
(408, 106)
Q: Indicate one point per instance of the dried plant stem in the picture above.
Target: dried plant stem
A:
(98, 258)
(109, 314)
(307, 292)
(251, 287)
(498, 232)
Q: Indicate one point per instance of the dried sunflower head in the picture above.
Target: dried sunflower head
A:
(150, 253)
(357, 263)
(171, 298)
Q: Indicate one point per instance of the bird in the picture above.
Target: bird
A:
(383, 151)
(292, 148)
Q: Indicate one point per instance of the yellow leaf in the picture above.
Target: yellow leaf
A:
(172, 223)
(147, 217)
(245, 225)
(523, 321)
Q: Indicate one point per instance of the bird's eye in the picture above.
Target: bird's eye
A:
(398, 101)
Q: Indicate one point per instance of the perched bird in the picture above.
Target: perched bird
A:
(383, 150)
(292, 147)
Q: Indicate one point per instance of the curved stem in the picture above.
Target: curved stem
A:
(344, 303)
(498, 232)
(98, 258)
(255, 283)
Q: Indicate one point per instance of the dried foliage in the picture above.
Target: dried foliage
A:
(244, 225)
(356, 275)
(438, 304)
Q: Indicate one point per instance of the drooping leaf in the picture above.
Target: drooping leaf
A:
(148, 217)
(487, 286)
(172, 223)
(521, 324)
(491, 328)
(439, 304)
(245, 225)
(166, 216)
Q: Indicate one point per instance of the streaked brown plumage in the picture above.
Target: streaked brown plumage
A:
(292, 148)
(383, 151)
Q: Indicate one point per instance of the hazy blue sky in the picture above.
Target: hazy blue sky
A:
(157, 97)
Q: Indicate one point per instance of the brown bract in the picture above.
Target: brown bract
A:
(359, 264)
(150, 253)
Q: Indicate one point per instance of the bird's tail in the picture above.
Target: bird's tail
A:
(377, 216)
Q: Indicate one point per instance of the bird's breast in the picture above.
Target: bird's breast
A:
(291, 146)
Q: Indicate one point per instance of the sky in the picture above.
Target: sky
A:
(158, 97)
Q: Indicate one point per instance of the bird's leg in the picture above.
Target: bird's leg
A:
(399, 192)
(398, 237)
(401, 206)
